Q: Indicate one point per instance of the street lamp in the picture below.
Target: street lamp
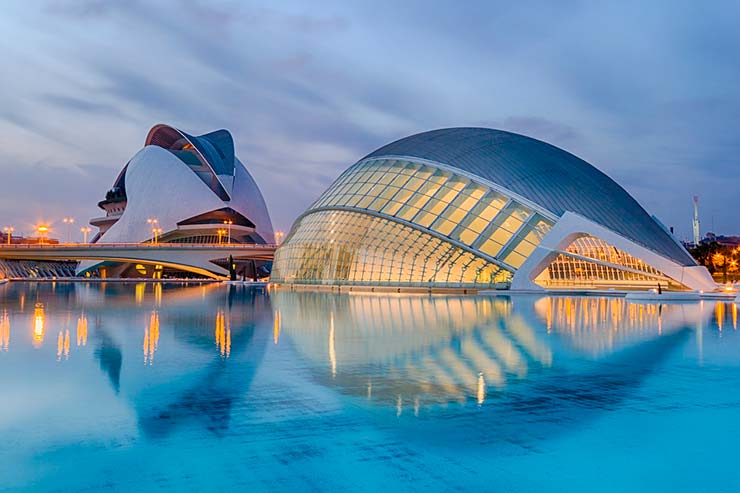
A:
(85, 230)
(9, 231)
(154, 223)
(156, 232)
(221, 233)
(229, 222)
(42, 230)
(278, 237)
(69, 221)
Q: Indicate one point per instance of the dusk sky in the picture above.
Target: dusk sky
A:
(649, 94)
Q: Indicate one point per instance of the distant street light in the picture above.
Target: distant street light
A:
(278, 237)
(221, 233)
(69, 221)
(42, 230)
(154, 222)
(85, 230)
(156, 232)
(9, 232)
(229, 222)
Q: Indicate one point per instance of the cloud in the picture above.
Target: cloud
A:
(647, 94)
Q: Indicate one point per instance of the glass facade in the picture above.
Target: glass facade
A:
(591, 262)
(352, 248)
(388, 222)
(427, 226)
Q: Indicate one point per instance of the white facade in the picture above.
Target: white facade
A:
(173, 189)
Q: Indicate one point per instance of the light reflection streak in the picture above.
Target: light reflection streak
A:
(82, 330)
(332, 352)
(4, 331)
(38, 325)
(481, 394)
(151, 337)
(276, 328)
(222, 334)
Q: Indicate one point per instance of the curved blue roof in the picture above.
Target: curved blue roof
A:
(544, 174)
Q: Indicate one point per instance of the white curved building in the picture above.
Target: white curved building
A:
(182, 189)
(481, 208)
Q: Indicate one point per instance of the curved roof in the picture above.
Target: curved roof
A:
(544, 174)
(215, 150)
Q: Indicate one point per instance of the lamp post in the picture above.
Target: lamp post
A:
(228, 223)
(154, 223)
(85, 230)
(278, 237)
(9, 231)
(69, 221)
(156, 232)
(42, 230)
(221, 233)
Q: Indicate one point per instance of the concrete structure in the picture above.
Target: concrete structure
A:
(481, 208)
(182, 189)
(204, 260)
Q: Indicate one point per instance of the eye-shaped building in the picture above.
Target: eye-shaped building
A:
(182, 189)
(481, 208)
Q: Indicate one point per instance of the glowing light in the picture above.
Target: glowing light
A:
(151, 337)
(332, 353)
(222, 334)
(60, 344)
(82, 330)
(139, 291)
(9, 231)
(38, 325)
(276, 328)
(481, 393)
(719, 313)
(4, 331)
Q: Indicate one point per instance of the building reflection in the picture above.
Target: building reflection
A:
(431, 349)
(410, 351)
(599, 325)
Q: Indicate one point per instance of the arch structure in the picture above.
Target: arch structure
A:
(182, 188)
(481, 208)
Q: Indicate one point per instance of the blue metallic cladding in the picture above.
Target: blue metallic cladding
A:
(217, 148)
(544, 174)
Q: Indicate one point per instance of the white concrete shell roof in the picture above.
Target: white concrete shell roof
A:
(158, 183)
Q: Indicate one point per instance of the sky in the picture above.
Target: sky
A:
(648, 92)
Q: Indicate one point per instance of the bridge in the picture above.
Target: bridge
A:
(196, 258)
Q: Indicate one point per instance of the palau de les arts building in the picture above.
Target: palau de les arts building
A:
(191, 185)
(477, 208)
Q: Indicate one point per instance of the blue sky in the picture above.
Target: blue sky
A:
(649, 92)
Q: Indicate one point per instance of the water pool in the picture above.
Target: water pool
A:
(138, 387)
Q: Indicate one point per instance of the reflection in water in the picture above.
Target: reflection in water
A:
(430, 349)
(276, 327)
(151, 337)
(139, 291)
(599, 325)
(4, 331)
(82, 330)
(63, 344)
(401, 351)
(223, 334)
(38, 325)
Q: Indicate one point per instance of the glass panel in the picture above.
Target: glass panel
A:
(369, 250)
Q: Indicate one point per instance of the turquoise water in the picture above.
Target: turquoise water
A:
(127, 387)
